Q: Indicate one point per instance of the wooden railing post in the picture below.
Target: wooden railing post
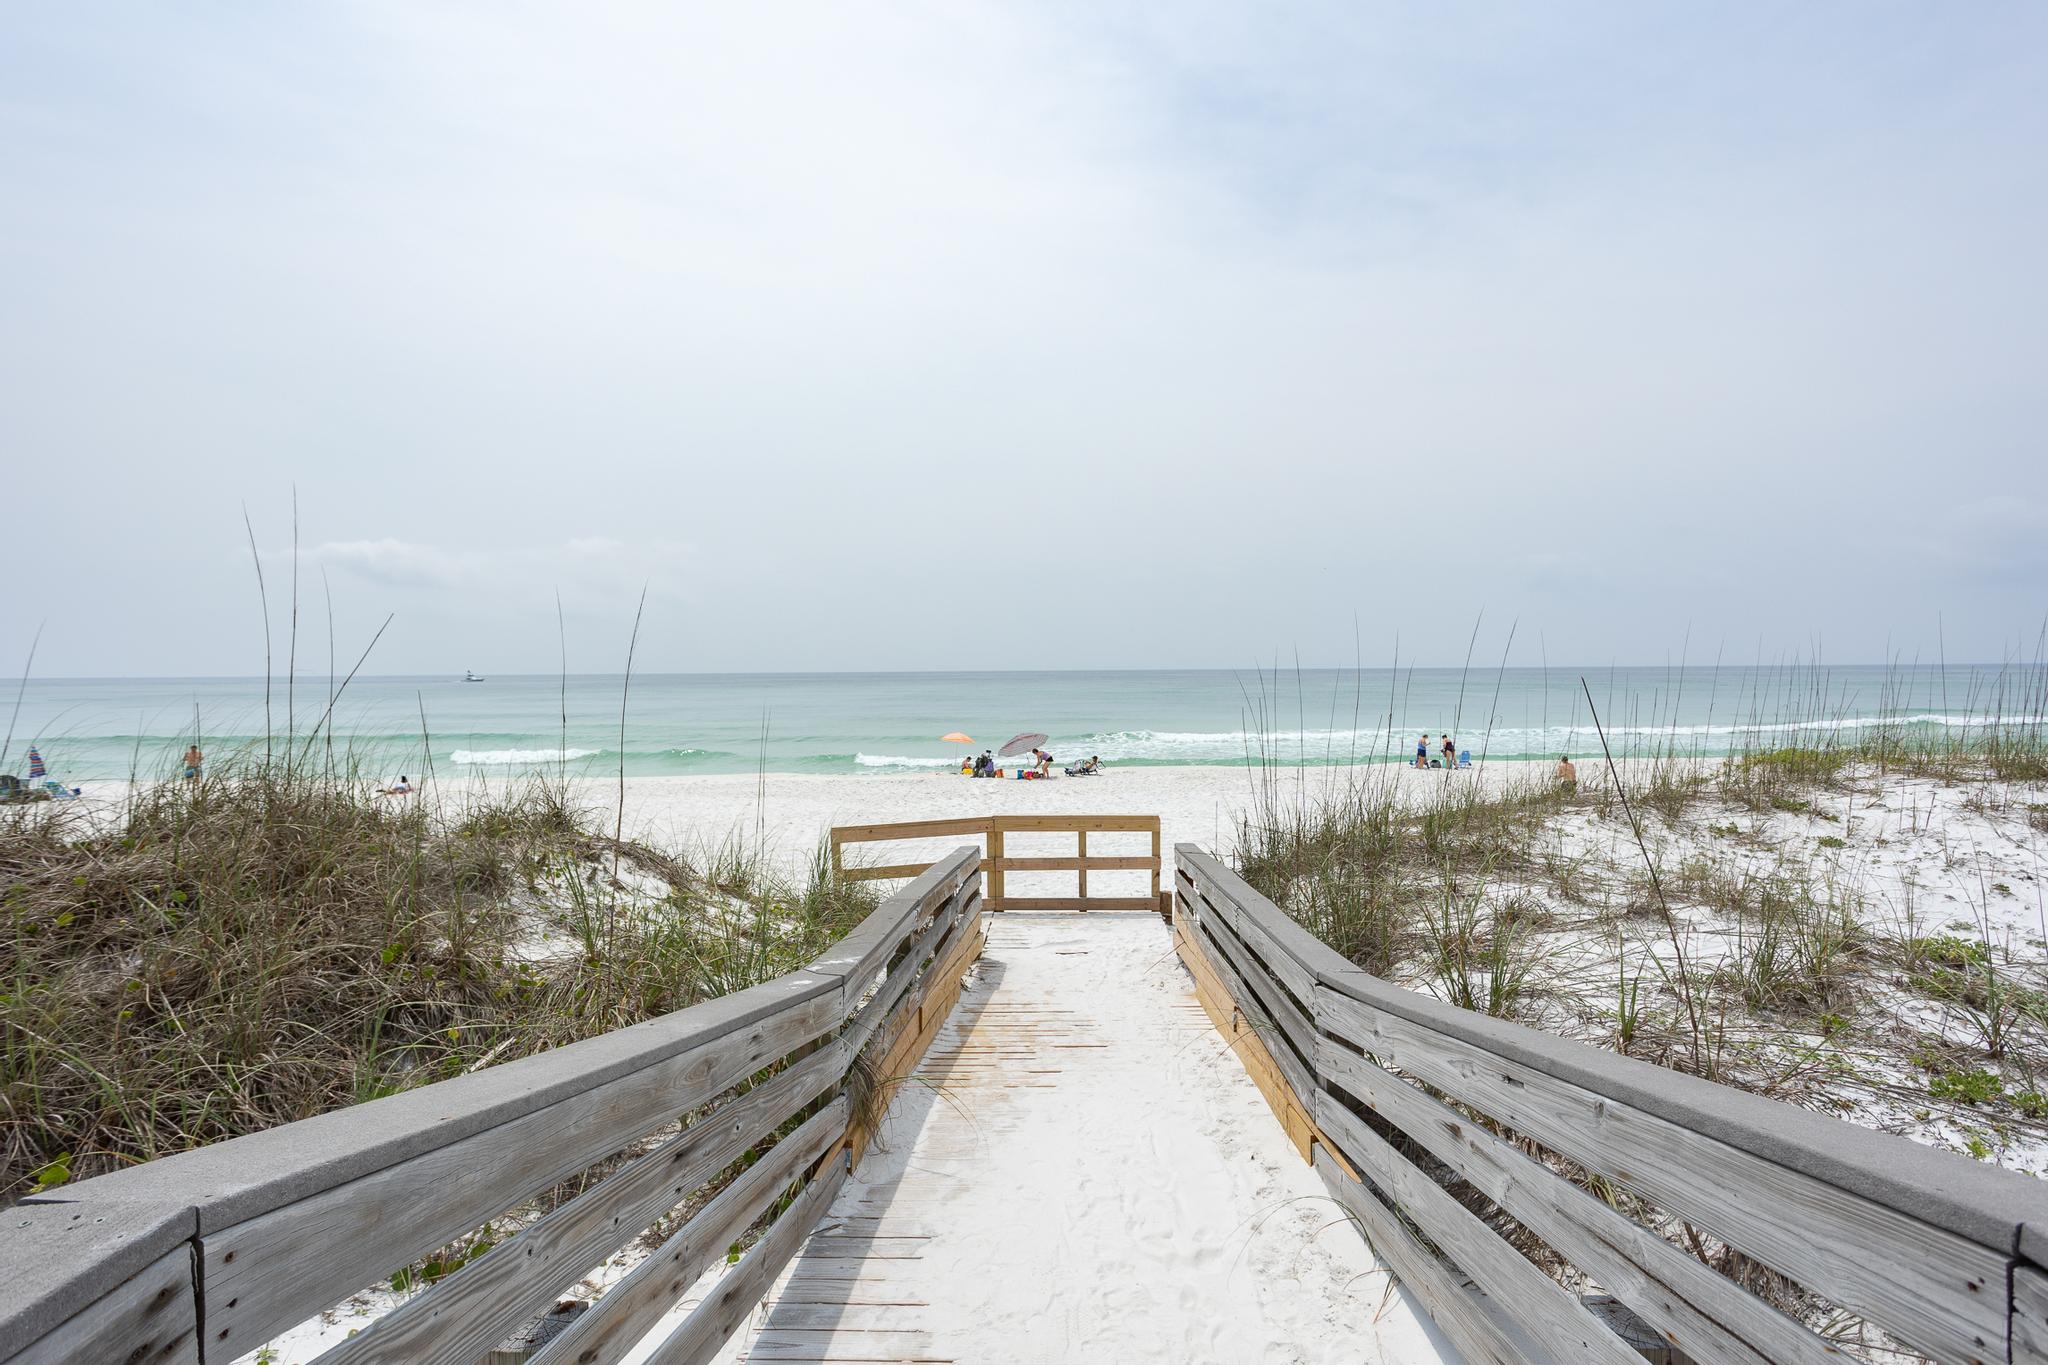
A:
(995, 853)
(1155, 860)
(997, 863)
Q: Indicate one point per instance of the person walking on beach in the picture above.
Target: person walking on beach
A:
(1422, 750)
(195, 763)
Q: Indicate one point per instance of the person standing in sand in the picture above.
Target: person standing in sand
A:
(195, 763)
(1450, 752)
(1422, 750)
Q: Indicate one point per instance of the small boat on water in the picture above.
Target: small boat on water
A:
(470, 676)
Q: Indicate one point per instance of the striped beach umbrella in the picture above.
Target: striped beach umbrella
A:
(36, 771)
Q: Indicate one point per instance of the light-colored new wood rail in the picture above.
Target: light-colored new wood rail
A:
(997, 862)
(205, 1255)
(1940, 1252)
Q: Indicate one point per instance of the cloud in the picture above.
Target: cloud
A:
(1618, 319)
(590, 568)
(2001, 541)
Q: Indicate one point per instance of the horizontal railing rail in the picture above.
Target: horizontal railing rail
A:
(996, 863)
(205, 1255)
(1435, 1126)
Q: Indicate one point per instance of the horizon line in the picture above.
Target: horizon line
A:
(1669, 666)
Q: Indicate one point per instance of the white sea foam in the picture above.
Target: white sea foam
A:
(494, 758)
(897, 761)
(1280, 742)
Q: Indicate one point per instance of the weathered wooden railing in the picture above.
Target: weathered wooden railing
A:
(205, 1255)
(992, 828)
(1422, 1117)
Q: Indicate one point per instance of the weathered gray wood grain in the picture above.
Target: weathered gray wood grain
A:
(2029, 1315)
(1540, 1307)
(1277, 1003)
(270, 1272)
(223, 1192)
(2034, 1243)
(1829, 1188)
(858, 958)
(1263, 934)
(463, 1316)
(1254, 1007)
(1978, 1202)
(617, 1322)
(1713, 1320)
(1460, 1313)
(883, 1002)
(152, 1316)
(697, 1337)
(1308, 954)
(60, 1257)
(235, 1181)
(1929, 1287)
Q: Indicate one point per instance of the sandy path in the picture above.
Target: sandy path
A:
(1086, 1175)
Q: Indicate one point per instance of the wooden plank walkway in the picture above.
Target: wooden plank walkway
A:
(1081, 1171)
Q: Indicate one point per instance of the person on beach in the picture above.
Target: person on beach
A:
(1450, 752)
(1044, 762)
(1422, 750)
(195, 763)
(402, 787)
(1567, 776)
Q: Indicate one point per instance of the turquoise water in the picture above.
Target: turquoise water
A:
(95, 729)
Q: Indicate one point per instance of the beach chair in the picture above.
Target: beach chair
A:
(1464, 758)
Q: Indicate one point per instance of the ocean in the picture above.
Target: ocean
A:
(101, 729)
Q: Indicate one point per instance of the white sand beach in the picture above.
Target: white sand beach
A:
(790, 814)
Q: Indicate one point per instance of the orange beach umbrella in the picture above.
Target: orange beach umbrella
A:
(956, 738)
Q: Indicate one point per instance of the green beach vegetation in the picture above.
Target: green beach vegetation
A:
(1851, 922)
(215, 958)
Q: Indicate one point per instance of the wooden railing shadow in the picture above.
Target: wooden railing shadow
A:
(915, 1096)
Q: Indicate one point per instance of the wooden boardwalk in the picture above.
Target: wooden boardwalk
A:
(1110, 1142)
(1079, 1159)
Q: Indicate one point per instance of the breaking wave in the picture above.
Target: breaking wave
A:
(898, 761)
(496, 758)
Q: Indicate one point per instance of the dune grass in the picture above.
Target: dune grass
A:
(1736, 926)
(214, 959)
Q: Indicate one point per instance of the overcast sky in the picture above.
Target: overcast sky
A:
(952, 335)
